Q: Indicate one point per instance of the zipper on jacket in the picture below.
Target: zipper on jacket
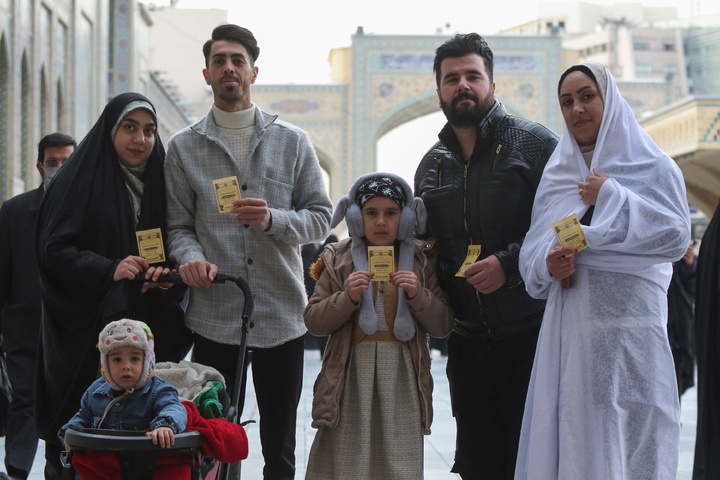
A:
(426, 246)
(477, 295)
(497, 153)
(467, 230)
(439, 180)
(517, 284)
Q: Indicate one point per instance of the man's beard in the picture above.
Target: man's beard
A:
(466, 117)
(230, 94)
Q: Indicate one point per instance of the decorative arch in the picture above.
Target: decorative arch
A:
(410, 109)
(326, 161)
(328, 165)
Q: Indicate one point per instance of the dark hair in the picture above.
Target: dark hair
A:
(576, 68)
(233, 33)
(332, 238)
(461, 45)
(53, 140)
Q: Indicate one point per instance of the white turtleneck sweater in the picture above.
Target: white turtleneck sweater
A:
(238, 129)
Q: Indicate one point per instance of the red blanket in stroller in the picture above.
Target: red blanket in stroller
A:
(222, 440)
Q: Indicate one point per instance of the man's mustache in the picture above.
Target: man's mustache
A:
(464, 96)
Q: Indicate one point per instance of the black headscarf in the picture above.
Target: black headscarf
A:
(90, 192)
(85, 228)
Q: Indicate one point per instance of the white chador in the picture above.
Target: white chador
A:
(602, 402)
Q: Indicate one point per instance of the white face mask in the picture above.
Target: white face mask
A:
(48, 174)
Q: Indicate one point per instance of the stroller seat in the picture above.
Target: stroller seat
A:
(134, 453)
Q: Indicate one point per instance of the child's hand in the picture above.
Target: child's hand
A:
(164, 434)
(408, 281)
(356, 283)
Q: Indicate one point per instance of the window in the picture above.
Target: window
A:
(641, 46)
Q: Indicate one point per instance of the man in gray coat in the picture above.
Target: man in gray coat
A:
(244, 191)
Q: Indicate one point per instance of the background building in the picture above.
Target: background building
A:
(702, 51)
(52, 78)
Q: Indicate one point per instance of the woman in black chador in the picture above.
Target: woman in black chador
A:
(110, 190)
(707, 341)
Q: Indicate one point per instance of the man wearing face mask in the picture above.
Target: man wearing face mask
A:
(20, 310)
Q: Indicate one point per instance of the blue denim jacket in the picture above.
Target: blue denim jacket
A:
(156, 405)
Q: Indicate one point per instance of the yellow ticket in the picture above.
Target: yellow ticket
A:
(472, 255)
(569, 233)
(227, 190)
(381, 262)
(150, 245)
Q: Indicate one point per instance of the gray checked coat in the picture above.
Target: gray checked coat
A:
(282, 169)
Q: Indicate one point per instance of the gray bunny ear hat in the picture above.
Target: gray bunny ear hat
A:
(413, 217)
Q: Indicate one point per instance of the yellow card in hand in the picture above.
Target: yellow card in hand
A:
(569, 233)
(227, 190)
(472, 255)
(150, 245)
(381, 262)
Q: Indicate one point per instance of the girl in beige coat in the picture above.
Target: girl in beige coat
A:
(373, 397)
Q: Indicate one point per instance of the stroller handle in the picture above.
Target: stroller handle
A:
(219, 278)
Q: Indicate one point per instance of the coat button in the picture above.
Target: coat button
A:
(250, 261)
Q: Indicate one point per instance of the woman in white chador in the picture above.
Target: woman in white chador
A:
(602, 402)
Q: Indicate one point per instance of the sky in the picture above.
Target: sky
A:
(296, 36)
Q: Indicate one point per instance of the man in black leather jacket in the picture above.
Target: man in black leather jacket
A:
(478, 184)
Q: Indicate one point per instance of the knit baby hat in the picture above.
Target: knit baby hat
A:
(126, 332)
(412, 218)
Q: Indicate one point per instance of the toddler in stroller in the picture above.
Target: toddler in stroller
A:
(129, 399)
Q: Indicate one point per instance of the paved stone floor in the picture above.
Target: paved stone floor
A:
(439, 447)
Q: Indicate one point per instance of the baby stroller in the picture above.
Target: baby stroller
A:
(139, 459)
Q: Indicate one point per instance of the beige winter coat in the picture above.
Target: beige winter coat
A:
(332, 312)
